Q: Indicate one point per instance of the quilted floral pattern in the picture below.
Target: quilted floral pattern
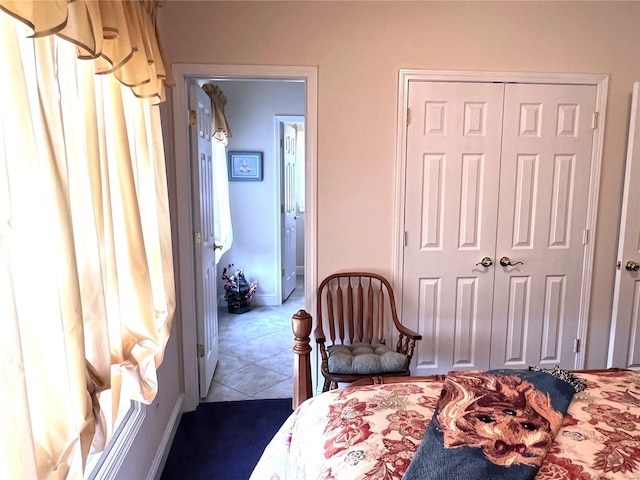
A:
(372, 433)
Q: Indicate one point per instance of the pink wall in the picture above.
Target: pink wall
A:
(359, 47)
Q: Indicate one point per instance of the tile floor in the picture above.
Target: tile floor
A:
(256, 357)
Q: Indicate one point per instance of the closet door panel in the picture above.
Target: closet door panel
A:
(453, 163)
(544, 181)
(517, 319)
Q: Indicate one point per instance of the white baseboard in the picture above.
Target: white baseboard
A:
(266, 300)
(257, 300)
(167, 439)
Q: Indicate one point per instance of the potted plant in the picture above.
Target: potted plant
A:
(237, 291)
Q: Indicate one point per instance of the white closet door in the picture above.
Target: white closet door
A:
(544, 186)
(453, 166)
(624, 346)
(495, 171)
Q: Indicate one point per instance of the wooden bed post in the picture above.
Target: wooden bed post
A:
(301, 326)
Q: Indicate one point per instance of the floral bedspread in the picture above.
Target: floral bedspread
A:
(372, 432)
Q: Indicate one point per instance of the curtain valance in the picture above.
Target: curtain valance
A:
(120, 36)
(219, 126)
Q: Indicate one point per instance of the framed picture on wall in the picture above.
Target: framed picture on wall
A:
(245, 166)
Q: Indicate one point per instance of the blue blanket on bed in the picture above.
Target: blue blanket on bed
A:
(494, 425)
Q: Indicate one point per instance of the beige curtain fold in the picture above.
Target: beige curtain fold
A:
(120, 36)
(219, 126)
(221, 132)
(86, 283)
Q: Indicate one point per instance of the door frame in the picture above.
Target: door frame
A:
(599, 81)
(180, 180)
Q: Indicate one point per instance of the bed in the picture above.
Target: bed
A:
(372, 431)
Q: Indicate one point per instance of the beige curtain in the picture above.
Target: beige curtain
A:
(223, 228)
(219, 126)
(86, 283)
(120, 35)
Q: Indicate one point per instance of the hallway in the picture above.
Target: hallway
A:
(256, 357)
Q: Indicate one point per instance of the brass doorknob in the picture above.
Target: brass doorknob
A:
(632, 266)
(506, 262)
(485, 262)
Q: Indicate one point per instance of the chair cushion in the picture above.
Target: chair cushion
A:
(365, 359)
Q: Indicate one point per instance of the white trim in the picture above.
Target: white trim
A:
(185, 272)
(109, 463)
(602, 88)
(599, 81)
(287, 119)
(501, 77)
(155, 471)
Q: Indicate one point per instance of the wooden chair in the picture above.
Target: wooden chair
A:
(357, 310)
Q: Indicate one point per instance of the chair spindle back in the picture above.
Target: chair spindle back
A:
(353, 307)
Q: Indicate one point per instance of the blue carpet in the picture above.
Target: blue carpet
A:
(224, 440)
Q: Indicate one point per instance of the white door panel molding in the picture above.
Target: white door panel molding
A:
(455, 216)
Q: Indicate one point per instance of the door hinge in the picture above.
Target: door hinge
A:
(193, 119)
(408, 116)
(197, 238)
(200, 350)
(576, 345)
(594, 121)
(282, 143)
(585, 237)
(404, 239)
(282, 272)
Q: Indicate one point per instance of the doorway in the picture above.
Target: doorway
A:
(263, 210)
(184, 234)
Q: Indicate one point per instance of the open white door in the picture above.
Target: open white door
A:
(624, 344)
(289, 218)
(203, 226)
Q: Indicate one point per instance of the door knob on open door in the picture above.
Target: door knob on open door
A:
(485, 262)
(506, 262)
(632, 266)
(217, 247)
